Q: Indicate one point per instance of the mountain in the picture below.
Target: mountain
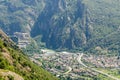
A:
(64, 24)
(19, 15)
(105, 20)
(78, 24)
(14, 65)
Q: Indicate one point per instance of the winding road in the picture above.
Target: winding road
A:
(70, 69)
(80, 61)
(93, 69)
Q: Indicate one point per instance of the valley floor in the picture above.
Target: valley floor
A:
(75, 66)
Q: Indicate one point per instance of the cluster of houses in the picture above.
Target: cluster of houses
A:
(102, 61)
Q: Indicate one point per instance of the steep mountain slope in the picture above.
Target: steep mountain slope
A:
(74, 24)
(14, 65)
(63, 24)
(19, 15)
(105, 19)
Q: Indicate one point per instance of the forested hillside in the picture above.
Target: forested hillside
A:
(19, 15)
(64, 24)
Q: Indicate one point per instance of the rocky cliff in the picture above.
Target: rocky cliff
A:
(63, 24)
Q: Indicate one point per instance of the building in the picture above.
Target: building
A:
(22, 39)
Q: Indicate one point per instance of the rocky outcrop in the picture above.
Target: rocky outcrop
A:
(63, 24)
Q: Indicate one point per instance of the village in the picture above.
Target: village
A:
(102, 61)
(66, 63)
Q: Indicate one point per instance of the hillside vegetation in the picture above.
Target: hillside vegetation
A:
(64, 24)
(19, 15)
(79, 24)
(14, 65)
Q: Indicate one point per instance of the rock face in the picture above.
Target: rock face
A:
(63, 24)
(19, 15)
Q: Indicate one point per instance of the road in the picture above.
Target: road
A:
(70, 69)
(79, 59)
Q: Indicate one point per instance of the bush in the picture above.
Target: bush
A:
(10, 77)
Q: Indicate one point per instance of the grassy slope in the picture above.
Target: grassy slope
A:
(12, 59)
